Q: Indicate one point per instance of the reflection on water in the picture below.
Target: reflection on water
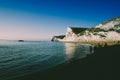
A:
(20, 59)
(78, 51)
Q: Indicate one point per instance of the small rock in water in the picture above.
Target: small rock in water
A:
(21, 40)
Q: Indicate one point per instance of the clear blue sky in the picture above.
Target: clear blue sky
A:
(42, 19)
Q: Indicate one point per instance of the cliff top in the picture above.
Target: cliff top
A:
(114, 22)
(77, 30)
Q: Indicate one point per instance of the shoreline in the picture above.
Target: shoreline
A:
(96, 43)
(97, 66)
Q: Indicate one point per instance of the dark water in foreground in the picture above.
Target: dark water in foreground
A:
(23, 58)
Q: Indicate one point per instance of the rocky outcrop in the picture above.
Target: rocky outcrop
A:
(72, 33)
(105, 32)
(57, 38)
(20, 40)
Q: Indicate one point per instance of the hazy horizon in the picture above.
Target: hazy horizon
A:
(42, 19)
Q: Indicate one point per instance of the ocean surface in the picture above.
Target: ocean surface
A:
(23, 58)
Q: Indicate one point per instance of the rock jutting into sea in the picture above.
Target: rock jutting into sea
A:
(20, 40)
(57, 38)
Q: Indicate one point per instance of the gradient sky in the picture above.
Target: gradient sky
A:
(42, 19)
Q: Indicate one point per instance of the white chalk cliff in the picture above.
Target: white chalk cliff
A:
(107, 31)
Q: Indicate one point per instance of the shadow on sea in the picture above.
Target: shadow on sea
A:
(97, 66)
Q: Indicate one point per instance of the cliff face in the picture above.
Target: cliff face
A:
(72, 33)
(107, 31)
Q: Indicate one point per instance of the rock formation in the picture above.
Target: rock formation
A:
(104, 32)
(57, 38)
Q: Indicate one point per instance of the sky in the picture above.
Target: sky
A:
(42, 19)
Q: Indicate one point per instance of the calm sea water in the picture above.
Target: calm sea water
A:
(22, 58)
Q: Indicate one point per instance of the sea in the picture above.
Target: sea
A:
(18, 59)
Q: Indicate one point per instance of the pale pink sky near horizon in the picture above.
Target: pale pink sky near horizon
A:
(20, 25)
(42, 19)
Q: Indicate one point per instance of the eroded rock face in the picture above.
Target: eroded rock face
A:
(112, 23)
(106, 31)
(72, 33)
